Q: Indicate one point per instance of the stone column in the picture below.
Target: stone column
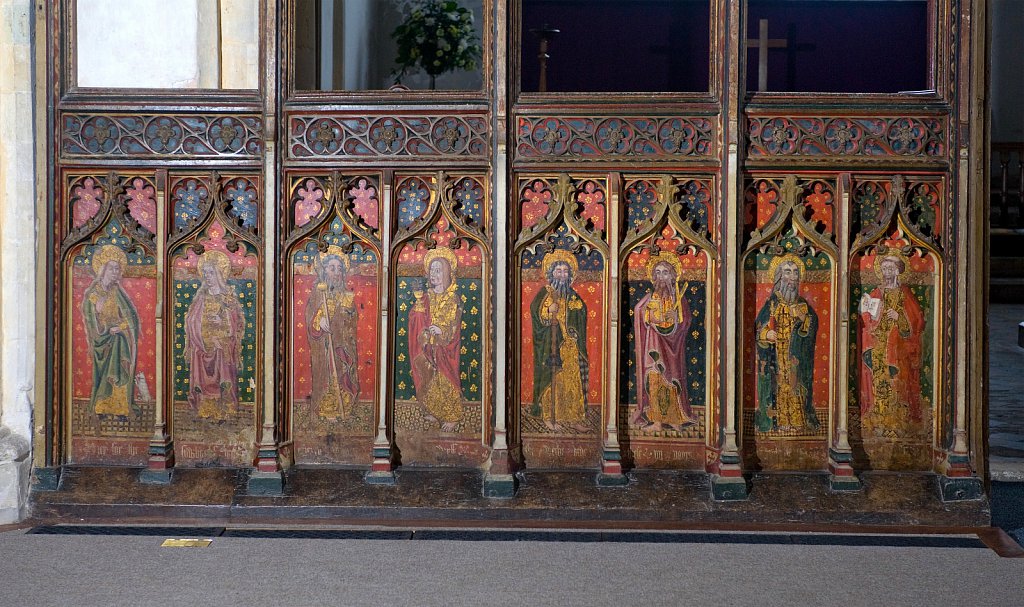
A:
(17, 255)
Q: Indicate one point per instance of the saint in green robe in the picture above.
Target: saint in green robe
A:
(549, 335)
(112, 328)
(785, 365)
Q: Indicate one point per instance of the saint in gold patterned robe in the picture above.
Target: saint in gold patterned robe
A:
(785, 366)
(892, 357)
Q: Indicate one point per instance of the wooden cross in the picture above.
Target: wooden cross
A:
(763, 44)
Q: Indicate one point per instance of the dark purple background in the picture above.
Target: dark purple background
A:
(843, 46)
(646, 45)
(663, 45)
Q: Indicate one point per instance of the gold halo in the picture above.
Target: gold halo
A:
(106, 254)
(894, 253)
(560, 255)
(337, 252)
(218, 259)
(444, 253)
(778, 261)
(664, 257)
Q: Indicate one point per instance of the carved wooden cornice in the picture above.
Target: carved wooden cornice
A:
(161, 136)
(409, 137)
(651, 138)
(919, 138)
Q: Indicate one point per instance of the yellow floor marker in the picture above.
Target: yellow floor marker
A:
(186, 543)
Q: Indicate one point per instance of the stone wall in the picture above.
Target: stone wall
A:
(17, 254)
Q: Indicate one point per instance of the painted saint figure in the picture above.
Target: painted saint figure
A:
(214, 326)
(891, 333)
(435, 337)
(661, 321)
(785, 330)
(331, 322)
(112, 328)
(560, 362)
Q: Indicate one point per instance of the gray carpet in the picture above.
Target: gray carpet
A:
(135, 570)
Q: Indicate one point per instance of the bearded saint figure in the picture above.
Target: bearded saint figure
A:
(112, 329)
(435, 337)
(560, 361)
(331, 323)
(891, 332)
(214, 326)
(785, 330)
(661, 322)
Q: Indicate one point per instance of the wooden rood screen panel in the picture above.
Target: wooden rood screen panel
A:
(531, 269)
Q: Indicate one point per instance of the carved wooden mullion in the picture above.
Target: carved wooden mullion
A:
(458, 226)
(345, 211)
(458, 222)
(685, 228)
(788, 209)
(382, 466)
(566, 192)
(611, 453)
(877, 228)
(119, 209)
(634, 236)
(840, 455)
(77, 235)
(792, 190)
(422, 224)
(161, 450)
(903, 217)
(538, 230)
(230, 225)
(777, 222)
(316, 223)
(206, 210)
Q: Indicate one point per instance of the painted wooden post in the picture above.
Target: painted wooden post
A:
(840, 454)
(611, 455)
(161, 447)
(382, 469)
(727, 482)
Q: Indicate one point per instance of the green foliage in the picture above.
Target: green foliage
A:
(437, 36)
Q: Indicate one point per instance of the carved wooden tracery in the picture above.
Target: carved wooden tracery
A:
(722, 180)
